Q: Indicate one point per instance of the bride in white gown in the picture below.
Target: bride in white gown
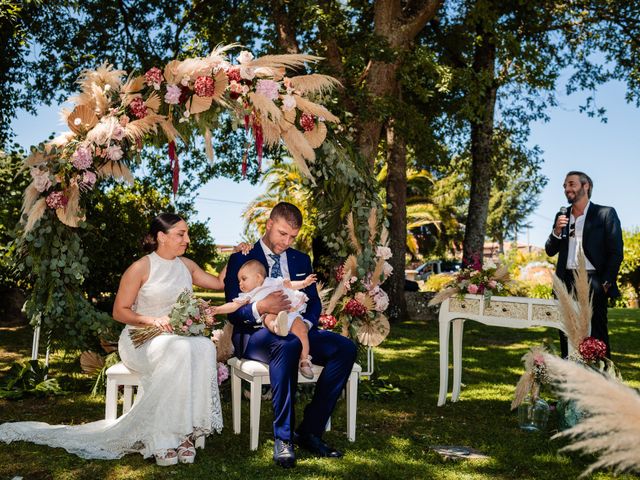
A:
(178, 374)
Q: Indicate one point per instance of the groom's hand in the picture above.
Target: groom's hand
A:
(274, 303)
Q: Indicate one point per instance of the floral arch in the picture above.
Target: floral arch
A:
(113, 117)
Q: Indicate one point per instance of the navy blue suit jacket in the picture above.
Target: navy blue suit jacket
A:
(601, 242)
(244, 323)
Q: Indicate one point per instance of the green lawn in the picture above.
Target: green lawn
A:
(394, 432)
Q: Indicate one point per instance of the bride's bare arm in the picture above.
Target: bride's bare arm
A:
(130, 283)
(203, 279)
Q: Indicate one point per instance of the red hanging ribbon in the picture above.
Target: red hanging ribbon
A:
(175, 167)
(259, 137)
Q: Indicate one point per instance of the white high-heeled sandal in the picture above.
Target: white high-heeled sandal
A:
(166, 458)
(186, 453)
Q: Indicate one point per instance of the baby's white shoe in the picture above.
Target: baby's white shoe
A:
(281, 327)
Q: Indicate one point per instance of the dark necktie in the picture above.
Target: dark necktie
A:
(276, 270)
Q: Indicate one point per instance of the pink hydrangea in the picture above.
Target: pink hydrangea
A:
(288, 103)
(153, 77)
(82, 158)
(138, 108)
(89, 178)
(204, 86)
(56, 200)
(328, 322)
(223, 372)
(233, 74)
(172, 97)
(268, 88)
(114, 153)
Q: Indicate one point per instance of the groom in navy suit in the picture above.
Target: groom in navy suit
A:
(251, 340)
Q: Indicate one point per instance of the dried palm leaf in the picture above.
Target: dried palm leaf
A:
(366, 300)
(208, 144)
(265, 106)
(171, 72)
(502, 274)
(82, 119)
(116, 170)
(270, 132)
(350, 266)
(137, 129)
(224, 345)
(169, 130)
(316, 136)
(199, 104)
(612, 428)
(307, 106)
(219, 87)
(377, 272)
(91, 362)
(442, 295)
(314, 83)
(351, 228)
(373, 225)
(31, 195)
(372, 334)
(35, 214)
(384, 237)
(153, 102)
(133, 85)
(583, 292)
(69, 214)
(100, 100)
(290, 61)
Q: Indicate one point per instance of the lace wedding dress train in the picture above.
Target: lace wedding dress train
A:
(178, 376)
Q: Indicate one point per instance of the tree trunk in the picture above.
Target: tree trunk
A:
(481, 148)
(397, 201)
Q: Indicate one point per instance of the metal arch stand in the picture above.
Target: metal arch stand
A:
(370, 367)
(35, 345)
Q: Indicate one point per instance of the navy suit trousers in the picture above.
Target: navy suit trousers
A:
(335, 352)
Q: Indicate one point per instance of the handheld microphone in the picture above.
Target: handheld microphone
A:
(565, 230)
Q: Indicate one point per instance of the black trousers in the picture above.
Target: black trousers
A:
(599, 321)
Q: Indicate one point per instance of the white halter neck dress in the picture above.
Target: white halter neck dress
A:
(178, 375)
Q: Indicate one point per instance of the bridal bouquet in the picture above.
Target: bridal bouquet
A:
(190, 316)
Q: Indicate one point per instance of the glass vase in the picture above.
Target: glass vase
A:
(533, 414)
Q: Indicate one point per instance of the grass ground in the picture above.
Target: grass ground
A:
(394, 431)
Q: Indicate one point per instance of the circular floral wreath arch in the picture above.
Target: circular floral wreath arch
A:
(114, 116)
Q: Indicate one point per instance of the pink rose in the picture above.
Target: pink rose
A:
(189, 321)
(184, 328)
(472, 288)
(492, 284)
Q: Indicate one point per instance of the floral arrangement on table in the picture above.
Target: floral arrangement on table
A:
(190, 316)
(114, 116)
(477, 279)
(357, 305)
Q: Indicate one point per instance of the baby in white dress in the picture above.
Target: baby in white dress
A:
(255, 285)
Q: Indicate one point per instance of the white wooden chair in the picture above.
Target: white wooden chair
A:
(257, 374)
(119, 375)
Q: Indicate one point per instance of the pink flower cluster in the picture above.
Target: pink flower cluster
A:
(223, 372)
(154, 77)
(82, 158)
(328, 322)
(591, 349)
(56, 200)
(204, 86)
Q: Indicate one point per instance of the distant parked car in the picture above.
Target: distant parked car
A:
(437, 266)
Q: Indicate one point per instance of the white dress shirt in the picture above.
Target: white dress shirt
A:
(575, 240)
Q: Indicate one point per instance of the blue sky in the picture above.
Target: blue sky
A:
(608, 152)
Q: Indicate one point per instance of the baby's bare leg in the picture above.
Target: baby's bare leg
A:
(300, 330)
(270, 322)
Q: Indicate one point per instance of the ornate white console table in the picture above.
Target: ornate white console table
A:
(511, 312)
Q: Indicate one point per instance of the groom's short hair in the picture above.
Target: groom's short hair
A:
(289, 212)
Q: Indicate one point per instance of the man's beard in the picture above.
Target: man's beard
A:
(578, 195)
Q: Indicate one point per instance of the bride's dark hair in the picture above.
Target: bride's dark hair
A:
(162, 223)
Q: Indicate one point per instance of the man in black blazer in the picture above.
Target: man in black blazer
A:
(596, 230)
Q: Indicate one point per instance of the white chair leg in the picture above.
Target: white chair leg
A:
(127, 399)
(254, 416)
(236, 384)
(327, 427)
(111, 401)
(352, 405)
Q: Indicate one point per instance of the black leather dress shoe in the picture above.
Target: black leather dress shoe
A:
(283, 454)
(316, 446)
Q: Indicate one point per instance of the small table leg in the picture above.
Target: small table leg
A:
(458, 326)
(444, 361)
